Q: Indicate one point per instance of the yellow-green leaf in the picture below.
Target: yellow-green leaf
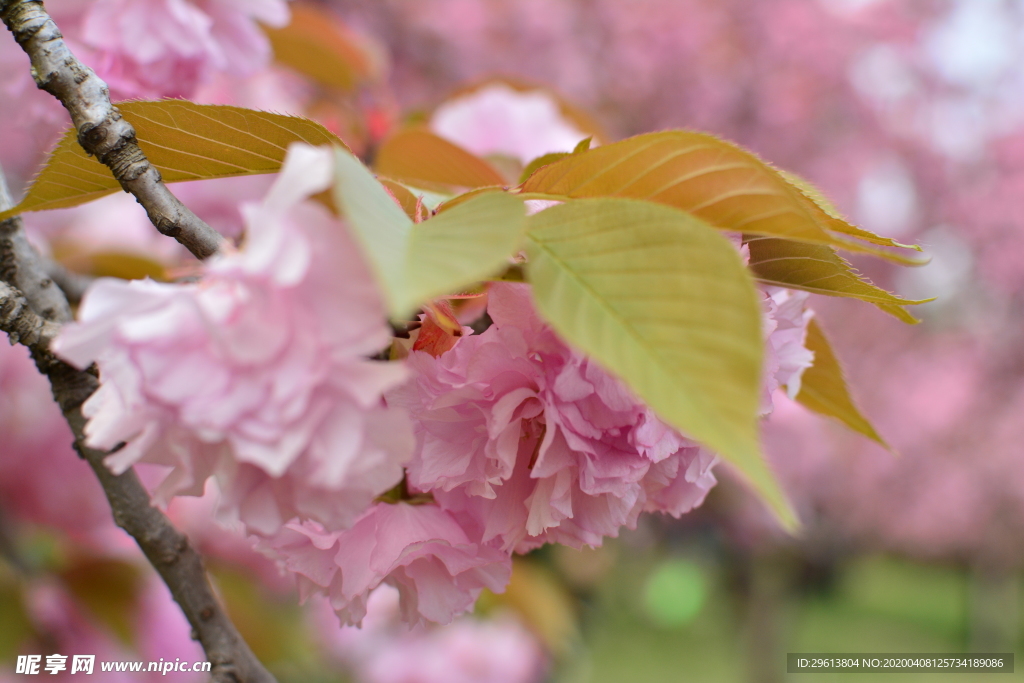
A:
(663, 301)
(583, 145)
(823, 387)
(449, 204)
(316, 44)
(541, 162)
(834, 218)
(463, 245)
(419, 157)
(551, 157)
(845, 234)
(418, 262)
(727, 186)
(819, 269)
(185, 141)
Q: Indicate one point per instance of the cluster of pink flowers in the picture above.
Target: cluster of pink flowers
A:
(530, 442)
(258, 373)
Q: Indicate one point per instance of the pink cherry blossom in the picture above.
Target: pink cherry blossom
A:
(492, 649)
(152, 48)
(497, 119)
(529, 442)
(258, 373)
(785, 328)
(468, 651)
(421, 550)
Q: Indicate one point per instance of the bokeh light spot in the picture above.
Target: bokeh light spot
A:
(675, 592)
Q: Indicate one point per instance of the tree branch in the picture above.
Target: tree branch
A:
(33, 319)
(20, 265)
(71, 283)
(102, 131)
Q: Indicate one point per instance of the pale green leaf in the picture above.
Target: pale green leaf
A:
(463, 245)
(418, 157)
(418, 262)
(663, 301)
(381, 226)
(185, 141)
(727, 186)
(823, 387)
(819, 269)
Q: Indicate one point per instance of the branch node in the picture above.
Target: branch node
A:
(126, 162)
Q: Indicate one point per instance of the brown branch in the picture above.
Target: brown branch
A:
(21, 266)
(102, 131)
(71, 283)
(33, 319)
(23, 325)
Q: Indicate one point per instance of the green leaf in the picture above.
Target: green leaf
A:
(727, 186)
(320, 47)
(819, 269)
(418, 262)
(418, 157)
(663, 301)
(185, 141)
(823, 387)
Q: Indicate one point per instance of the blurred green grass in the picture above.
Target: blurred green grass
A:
(746, 625)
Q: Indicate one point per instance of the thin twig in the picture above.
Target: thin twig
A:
(102, 131)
